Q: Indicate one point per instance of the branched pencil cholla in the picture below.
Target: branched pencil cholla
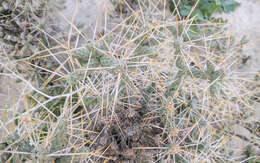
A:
(152, 88)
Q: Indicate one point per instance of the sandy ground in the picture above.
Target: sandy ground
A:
(11, 101)
(245, 21)
(88, 15)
